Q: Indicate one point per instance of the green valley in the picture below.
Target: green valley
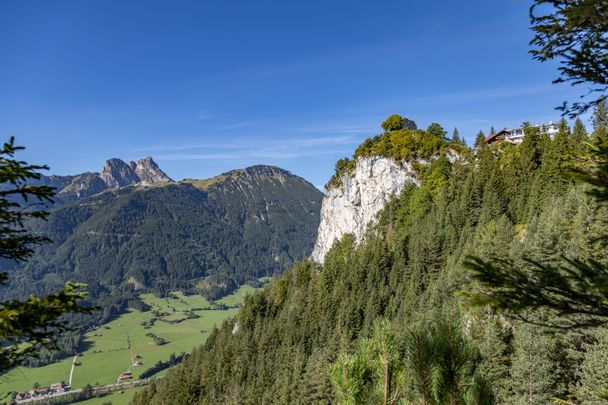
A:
(182, 321)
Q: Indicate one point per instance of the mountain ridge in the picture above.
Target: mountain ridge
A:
(200, 236)
(114, 174)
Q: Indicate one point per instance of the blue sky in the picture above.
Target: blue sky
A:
(207, 86)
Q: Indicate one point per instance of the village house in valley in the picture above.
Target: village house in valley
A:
(127, 375)
(516, 135)
(42, 392)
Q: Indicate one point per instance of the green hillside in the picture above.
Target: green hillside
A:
(502, 201)
(251, 223)
(182, 321)
(207, 237)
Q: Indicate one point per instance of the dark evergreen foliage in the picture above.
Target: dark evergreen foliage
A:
(571, 287)
(575, 32)
(505, 201)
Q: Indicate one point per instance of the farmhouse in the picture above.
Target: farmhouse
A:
(60, 387)
(516, 135)
(127, 375)
(37, 392)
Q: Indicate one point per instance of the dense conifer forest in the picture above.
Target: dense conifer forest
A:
(387, 321)
(199, 236)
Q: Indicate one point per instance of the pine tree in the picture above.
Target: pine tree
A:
(579, 134)
(480, 140)
(456, 360)
(594, 374)
(420, 352)
(348, 377)
(533, 367)
(495, 351)
(600, 123)
(318, 385)
(456, 137)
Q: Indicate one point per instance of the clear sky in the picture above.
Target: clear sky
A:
(208, 86)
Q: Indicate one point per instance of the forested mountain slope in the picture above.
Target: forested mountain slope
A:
(504, 200)
(205, 236)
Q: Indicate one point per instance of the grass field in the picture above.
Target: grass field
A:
(238, 296)
(116, 398)
(112, 346)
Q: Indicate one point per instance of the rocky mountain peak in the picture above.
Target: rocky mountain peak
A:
(148, 171)
(117, 173)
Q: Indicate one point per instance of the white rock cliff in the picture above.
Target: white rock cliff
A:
(352, 206)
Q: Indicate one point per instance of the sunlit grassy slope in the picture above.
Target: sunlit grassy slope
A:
(116, 398)
(110, 348)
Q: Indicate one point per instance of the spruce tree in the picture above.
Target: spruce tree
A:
(600, 123)
(456, 137)
(495, 350)
(30, 325)
(318, 388)
(480, 140)
(533, 376)
(594, 373)
(579, 134)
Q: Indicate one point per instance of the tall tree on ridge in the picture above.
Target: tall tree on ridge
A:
(480, 140)
(579, 133)
(456, 136)
(600, 123)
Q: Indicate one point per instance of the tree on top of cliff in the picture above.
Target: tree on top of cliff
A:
(436, 130)
(396, 122)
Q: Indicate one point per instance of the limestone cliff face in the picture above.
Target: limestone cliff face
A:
(352, 206)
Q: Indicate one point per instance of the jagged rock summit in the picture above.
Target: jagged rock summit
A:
(202, 235)
(353, 205)
(115, 174)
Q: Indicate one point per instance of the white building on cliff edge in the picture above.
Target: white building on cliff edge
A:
(516, 135)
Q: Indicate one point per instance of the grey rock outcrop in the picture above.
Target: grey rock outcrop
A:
(148, 172)
(352, 206)
(115, 174)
